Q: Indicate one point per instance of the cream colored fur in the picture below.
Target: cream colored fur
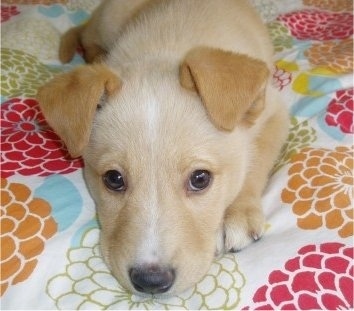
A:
(184, 86)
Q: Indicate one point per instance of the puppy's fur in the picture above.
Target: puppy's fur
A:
(181, 85)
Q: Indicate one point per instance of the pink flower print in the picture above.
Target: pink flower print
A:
(318, 25)
(7, 12)
(28, 145)
(340, 111)
(320, 277)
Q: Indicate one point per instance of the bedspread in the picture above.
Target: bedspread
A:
(50, 257)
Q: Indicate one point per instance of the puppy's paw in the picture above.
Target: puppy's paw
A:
(220, 242)
(242, 226)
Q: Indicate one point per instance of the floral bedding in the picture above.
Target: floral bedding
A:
(50, 257)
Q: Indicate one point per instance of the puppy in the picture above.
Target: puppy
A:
(178, 125)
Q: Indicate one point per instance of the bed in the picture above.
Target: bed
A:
(50, 257)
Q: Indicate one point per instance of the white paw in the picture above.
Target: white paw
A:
(242, 226)
(220, 242)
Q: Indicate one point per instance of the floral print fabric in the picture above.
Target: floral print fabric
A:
(320, 189)
(29, 146)
(26, 224)
(49, 232)
(318, 278)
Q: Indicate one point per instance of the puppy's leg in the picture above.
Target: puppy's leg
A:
(83, 36)
(69, 42)
(94, 53)
(244, 219)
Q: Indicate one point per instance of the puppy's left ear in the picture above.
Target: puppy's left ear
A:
(70, 100)
(231, 86)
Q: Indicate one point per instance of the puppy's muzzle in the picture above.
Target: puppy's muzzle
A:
(152, 279)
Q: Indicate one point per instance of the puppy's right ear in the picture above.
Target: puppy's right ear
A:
(69, 102)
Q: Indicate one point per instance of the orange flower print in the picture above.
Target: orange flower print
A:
(26, 224)
(336, 56)
(320, 189)
(331, 5)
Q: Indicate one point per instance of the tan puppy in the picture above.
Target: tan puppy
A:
(179, 127)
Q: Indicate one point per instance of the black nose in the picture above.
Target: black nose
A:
(152, 279)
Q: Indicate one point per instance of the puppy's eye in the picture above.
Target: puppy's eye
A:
(199, 180)
(114, 180)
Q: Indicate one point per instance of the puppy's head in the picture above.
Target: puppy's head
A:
(165, 153)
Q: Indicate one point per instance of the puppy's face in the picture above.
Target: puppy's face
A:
(162, 176)
(164, 157)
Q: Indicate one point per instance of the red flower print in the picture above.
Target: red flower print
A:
(320, 277)
(340, 111)
(7, 12)
(281, 78)
(28, 145)
(318, 25)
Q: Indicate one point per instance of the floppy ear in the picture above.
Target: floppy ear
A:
(231, 86)
(70, 100)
